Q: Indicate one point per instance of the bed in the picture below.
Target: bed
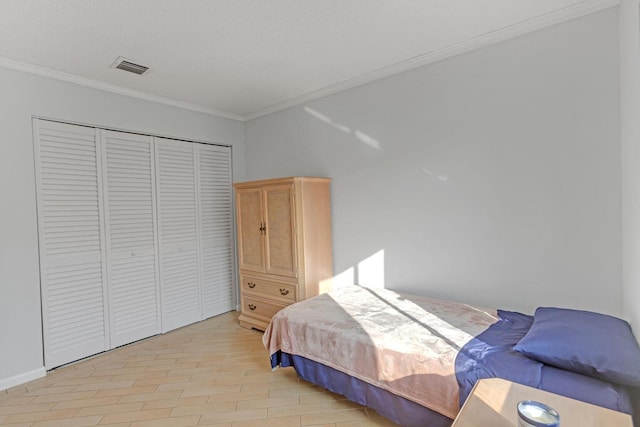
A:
(414, 359)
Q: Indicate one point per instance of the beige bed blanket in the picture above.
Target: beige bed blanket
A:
(403, 343)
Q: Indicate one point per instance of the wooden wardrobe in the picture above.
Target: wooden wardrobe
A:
(284, 244)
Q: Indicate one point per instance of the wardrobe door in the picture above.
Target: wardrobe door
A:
(131, 237)
(250, 224)
(216, 229)
(280, 240)
(70, 219)
(178, 233)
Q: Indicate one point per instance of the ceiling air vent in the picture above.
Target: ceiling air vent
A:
(130, 66)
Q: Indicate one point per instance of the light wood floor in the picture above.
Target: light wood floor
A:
(211, 373)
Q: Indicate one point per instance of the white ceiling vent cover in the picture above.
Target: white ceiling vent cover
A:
(130, 66)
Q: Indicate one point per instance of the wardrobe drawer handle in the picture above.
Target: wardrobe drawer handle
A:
(252, 307)
(251, 285)
(284, 291)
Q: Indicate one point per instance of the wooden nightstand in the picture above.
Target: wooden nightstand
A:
(493, 403)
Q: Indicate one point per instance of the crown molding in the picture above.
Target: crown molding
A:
(571, 12)
(575, 11)
(120, 90)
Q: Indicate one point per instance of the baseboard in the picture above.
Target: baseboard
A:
(22, 378)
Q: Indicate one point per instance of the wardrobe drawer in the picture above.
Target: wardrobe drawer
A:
(271, 290)
(259, 308)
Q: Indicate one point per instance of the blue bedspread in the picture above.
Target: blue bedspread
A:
(490, 355)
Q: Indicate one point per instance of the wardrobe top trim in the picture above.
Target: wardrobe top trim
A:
(287, 180)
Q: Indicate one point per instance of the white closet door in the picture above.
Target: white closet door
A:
(131, 237)
(71, 245)
(178, 233)
(216, 229)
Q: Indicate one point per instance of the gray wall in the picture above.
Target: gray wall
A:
(23, 96)
(630, 136)
(492, 177)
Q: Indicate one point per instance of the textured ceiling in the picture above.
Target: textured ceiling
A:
(248, 57)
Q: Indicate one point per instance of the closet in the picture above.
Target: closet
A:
(135, 236)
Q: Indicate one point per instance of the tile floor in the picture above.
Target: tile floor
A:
(212, 373)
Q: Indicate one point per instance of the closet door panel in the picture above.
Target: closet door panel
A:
(216, 229)
(178, 233)
(131, 237)
(71, 247)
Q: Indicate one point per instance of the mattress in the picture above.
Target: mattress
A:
(401, 343)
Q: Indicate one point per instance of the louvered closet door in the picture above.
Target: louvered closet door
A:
(216, 230)
(71, 248)
(131, 237)
(178, 234)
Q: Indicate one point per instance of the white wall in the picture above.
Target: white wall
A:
(23, 96)
(630, 136)
(492, 177)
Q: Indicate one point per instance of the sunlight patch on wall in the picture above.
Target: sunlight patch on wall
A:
(371, 271)
(360, 136)
(440, 177)
(326, 285)
(372, 142)
(344, 279)
(318, 115)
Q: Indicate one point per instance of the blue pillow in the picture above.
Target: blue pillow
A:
(588, 343)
